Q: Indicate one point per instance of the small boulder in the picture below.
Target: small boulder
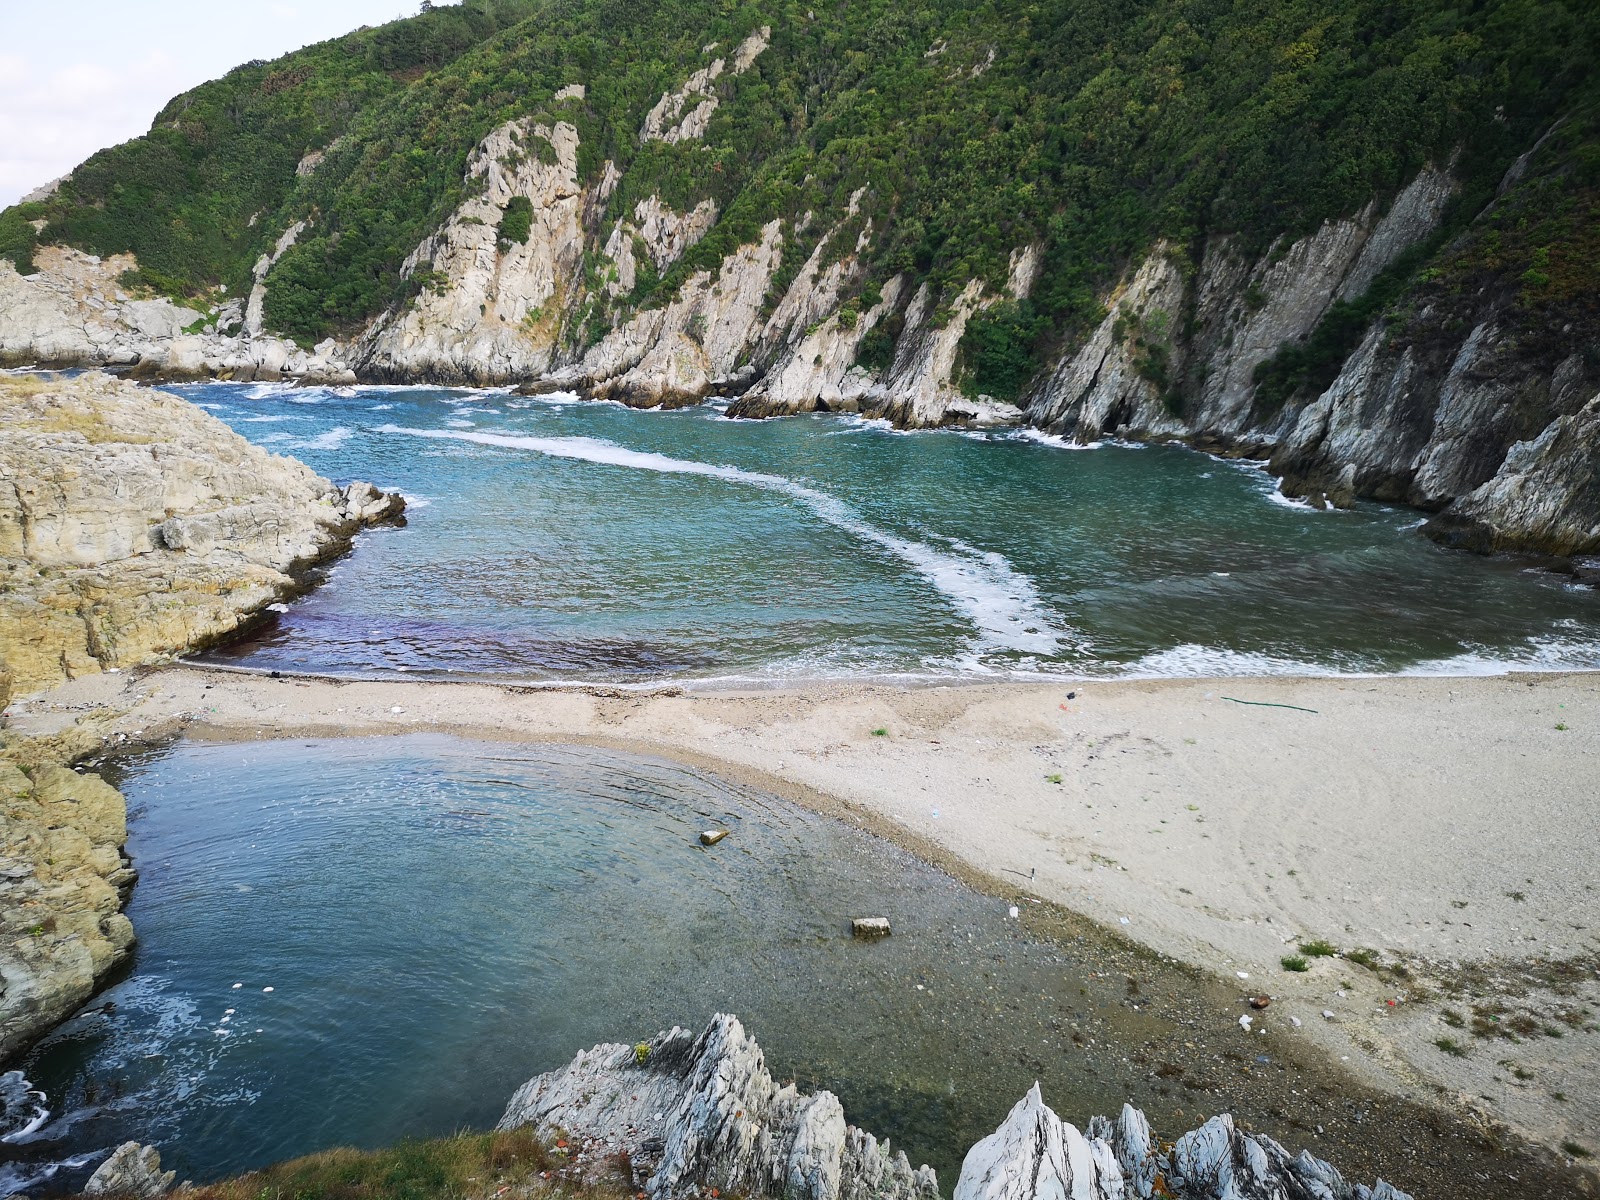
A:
(870, 927)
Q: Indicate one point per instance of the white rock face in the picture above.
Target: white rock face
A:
(1248, 312)
(1035, 1156)
(919, 391)
(696, 1113)
(131, 1171)
(255, 308)
(494, 313)
(1544, 493)
(685, 114)
(1102, 388)
(704, 1112)
(74, 311)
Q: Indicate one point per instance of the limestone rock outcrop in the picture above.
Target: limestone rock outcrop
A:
(133, 525)
(696, 1114)
(705, 1112)
(63, 883)
(75, 310)
(133, 1171)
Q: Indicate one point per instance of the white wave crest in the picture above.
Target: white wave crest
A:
(1002, 603)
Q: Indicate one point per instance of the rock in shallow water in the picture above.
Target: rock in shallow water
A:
(703, 1112)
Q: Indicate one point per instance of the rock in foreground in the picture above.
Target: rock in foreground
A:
(695, 1113)
(131, 1171)
(704, 1112)
(134, 525)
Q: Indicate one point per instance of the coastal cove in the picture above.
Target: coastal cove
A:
(962, 777)
(577, 541)
(419, 1015)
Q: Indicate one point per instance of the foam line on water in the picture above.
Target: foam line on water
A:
(1000, 601)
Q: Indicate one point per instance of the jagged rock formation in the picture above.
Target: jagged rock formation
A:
(1449, 416)
(63, 883)
(703, 1113)
(133, 1171)
(134, 525)
(76, 311)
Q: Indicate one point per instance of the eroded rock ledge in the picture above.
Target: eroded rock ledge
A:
(63, 882)
(703, 1114)
(133, 526)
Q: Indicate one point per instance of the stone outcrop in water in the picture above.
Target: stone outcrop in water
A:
(132, 1171)
(133, 525)
(704, 1112)
(701, 1113)
(63, 882)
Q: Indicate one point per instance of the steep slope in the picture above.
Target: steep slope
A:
(1193, 218)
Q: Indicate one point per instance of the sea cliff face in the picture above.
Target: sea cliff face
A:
(935, 217)
(1446, 410)
(133, 525)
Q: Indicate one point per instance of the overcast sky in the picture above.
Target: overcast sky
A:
(79, 75)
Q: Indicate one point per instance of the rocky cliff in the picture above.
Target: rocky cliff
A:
(133, 525)
(63, 882)
(702, 1113)
(79, 310)
(1360, 249)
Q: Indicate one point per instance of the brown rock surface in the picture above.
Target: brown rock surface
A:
(63, 881)
(135, 526)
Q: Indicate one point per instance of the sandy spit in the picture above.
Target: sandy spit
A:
(1452, 825)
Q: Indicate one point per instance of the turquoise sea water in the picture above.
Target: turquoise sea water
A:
(551, 538)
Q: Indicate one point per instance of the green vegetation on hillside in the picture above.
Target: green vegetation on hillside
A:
(1088, 127)
(198, 197)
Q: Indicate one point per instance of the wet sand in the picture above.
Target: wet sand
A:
(1447, 823)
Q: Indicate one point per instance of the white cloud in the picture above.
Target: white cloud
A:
(67, 97)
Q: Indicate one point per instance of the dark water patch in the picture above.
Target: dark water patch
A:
(354, 941)
(304, 640)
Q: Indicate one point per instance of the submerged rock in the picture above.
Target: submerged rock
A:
(703, 1112)
(132, 1170)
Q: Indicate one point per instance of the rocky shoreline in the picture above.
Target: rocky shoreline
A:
(685, 1115)
(1452, 411)
(701, 1115)
(134, 527)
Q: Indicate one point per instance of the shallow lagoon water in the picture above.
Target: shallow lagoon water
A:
(418, 925)
(555, 539)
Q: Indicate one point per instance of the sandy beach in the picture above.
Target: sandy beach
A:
(1448, 824)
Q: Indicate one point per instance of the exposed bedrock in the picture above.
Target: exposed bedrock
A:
(542, 278)
(63, 883)
(695, 1114)
(134, 525)
(77, 310)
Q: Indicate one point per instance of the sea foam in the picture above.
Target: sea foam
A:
(1001, 602)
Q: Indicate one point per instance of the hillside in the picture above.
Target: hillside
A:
(1357, 238)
